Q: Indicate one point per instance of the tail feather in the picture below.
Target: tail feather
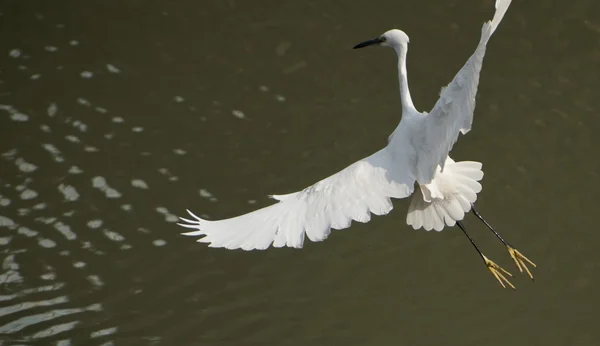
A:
(457, 188)
(464, 203)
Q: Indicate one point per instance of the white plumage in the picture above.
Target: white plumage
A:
(354, 193)
(455, 190)
(417, 151)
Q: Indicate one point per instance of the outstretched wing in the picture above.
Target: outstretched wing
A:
(352, 194)
(453, 112)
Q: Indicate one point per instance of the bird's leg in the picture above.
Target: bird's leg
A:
(496, 270)
(517, 256)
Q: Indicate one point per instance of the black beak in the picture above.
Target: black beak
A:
(377, 40)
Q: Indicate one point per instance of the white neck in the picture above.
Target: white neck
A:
(407, 104)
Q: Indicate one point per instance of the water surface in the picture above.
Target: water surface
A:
(117, 116)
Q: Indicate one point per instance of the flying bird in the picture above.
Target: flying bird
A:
(416, 154)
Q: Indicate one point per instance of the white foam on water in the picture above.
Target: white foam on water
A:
(95, 280)
(65, 230)
(69, 192)
(19, 117)
(10, 270)
(55, 329)
(15, 115)
(69, 213)
(73, 138)
(112, 193)
(165, 172)
(29, 233)
(95, 224)
(52, 109)
(112, 69)
(159, 242)
(139, 183)
(75, 170)
(26, 321)
(39, 206)
(103, 332)
(168, 216)
(101, 184)
(172, 218)
(56, 154)
(46, 220)
(46, 243)
(205, 194)
(26, 305)
(112, 235)
(79, 264)
(14, 53)
(238, 114)
(10, 155)
(4, 202)
(81, 126)
(28, 194)
(83, 102)
(25, 166)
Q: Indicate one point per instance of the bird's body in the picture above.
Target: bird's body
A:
(416, 154)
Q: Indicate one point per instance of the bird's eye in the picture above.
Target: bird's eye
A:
(383, 39)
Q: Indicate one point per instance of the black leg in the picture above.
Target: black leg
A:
(487, 224)
(517, 256)
(462, 227)
(496, 270)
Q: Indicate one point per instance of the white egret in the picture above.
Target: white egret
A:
(417, 151)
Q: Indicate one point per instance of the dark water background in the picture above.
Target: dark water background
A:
(115, 116)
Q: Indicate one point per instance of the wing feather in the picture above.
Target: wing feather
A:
(354, 193)
(453, 112)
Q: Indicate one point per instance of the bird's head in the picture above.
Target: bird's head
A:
(392, 38)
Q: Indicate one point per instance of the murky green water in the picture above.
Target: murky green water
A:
(117, 116)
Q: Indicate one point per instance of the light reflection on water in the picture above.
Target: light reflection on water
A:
(57, 241)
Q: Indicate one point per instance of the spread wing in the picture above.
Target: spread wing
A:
(354, 193)
(453, 112)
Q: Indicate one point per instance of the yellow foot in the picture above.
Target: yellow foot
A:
(497, 272)
(519, 257)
